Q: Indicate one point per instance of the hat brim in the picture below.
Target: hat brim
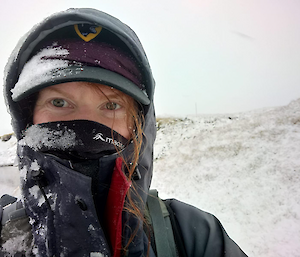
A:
(90, 74)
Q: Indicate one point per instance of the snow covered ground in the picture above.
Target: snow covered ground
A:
(244, 168)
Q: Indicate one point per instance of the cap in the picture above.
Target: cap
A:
(81, 52)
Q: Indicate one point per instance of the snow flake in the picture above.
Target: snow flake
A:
(97, 254)
(91, 227)
(35, 165)
(34, 191)
(23, 173)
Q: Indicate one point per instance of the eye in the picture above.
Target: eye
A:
(112, 106)
(59, 103)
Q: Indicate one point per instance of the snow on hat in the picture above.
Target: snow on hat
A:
(81, 52)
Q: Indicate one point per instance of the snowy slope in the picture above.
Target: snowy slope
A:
(9, 175)
(244, 168)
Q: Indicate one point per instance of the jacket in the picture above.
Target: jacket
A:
(60, 202)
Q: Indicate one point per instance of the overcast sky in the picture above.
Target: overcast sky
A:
(207, 56)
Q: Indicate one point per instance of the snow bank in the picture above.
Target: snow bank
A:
(244, 168)
(8, 151)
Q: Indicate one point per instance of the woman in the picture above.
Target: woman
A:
(79, 89)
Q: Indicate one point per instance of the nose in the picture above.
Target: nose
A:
(87, 113)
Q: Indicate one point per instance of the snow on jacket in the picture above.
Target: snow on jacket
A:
(63, 217)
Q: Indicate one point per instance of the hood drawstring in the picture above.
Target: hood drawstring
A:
(39, 177)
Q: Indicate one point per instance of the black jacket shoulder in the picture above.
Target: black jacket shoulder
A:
(202, 233)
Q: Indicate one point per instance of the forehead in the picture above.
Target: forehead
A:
(82, 88)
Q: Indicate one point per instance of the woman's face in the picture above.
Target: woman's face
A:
(84, 101)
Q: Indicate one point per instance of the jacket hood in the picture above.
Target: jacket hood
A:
(20, 111)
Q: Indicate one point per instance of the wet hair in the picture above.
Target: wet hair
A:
(135, 121)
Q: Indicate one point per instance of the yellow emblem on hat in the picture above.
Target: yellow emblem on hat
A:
(89, 35)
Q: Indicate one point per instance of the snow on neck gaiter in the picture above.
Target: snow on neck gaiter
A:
(74, 140)
(81, 143)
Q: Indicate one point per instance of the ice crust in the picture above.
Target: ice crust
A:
(37, 137)
(39, 69)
